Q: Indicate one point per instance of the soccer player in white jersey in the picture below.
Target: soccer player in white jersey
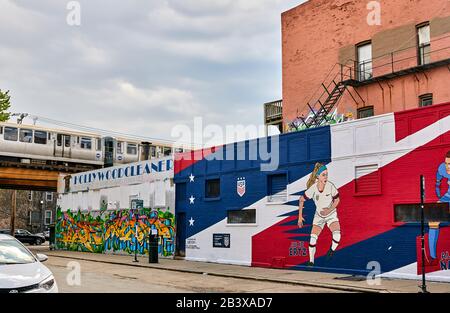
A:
(326, 197)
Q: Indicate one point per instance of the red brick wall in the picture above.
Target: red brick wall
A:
(319, 33)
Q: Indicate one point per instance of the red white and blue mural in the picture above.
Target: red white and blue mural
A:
(342, 197)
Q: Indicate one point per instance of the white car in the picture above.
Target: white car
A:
(21, 271)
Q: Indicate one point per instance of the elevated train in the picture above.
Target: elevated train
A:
(21, 143)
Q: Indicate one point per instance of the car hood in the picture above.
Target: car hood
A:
(22, 275)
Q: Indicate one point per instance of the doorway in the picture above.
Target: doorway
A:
(181, 235)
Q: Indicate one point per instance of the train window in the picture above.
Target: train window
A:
(131, 148)
(167, 151)
(119, 147)
(1, 130)
(40, 137)
(153, 151)
(26, 135)
(59, 140)
(99, 144)
(11, 134)
(67, 141)
(86, 143)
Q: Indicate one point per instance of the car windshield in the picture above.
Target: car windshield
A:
(12, 252)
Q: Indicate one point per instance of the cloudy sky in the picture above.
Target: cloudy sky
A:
(143, 66)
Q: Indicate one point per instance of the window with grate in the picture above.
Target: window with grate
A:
(367, 180)
(212, 188)
(277, 191)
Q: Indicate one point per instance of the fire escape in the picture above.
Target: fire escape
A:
(327, 96)
(408, 61)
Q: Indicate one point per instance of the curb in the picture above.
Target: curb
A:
(272, 280)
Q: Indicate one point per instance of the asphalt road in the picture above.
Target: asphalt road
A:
(111, 278)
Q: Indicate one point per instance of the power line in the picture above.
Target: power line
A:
(101, 131)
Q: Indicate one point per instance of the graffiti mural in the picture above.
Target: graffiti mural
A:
(115, 231)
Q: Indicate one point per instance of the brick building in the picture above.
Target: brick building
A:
(35, 210)
(363, 58)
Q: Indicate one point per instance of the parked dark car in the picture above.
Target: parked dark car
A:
(46, 234)
(25, 236)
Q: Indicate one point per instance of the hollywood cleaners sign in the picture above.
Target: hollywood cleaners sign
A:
(129, 174)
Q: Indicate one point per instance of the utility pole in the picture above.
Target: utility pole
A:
(422, 227)
(13, 212)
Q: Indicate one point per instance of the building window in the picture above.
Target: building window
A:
(30, 196)
(86, 143)
(26, 135)
(426, 100)
(365, 112)
(11, 134)
(424, 45)
(368, 180)
(48, 217)
(131, 148)
(49, 196)
(34, 218)
(411, 213)
(241, 216)
(212, 189)
(364, 55)
(40, 137)
(277, 191)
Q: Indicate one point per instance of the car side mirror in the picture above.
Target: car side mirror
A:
(41, 257)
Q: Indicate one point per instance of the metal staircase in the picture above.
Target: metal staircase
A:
(327, 96)
(327, 106)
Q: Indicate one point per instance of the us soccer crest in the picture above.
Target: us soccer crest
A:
(226, 241)
(241, 187)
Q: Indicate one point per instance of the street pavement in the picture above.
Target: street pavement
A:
(113, 278)
(118, 273)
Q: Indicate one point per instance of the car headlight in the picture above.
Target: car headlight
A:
(47, 283)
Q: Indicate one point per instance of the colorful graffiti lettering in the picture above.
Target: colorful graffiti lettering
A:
(115, 231)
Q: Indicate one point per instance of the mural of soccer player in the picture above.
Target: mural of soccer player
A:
(433, 233)
(326, 198)
(443, 172)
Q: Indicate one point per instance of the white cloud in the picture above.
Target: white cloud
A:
(143, 66)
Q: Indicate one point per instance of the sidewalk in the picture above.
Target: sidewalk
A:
(312, 279)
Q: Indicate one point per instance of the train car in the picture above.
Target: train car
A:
(22, 143)
(343, 198)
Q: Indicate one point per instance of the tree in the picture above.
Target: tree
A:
(4, 105)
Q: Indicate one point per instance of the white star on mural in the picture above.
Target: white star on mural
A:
(191, 178)
(191, 200)
(191, 222)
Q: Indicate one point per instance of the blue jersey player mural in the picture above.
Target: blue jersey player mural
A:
(443, 172)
